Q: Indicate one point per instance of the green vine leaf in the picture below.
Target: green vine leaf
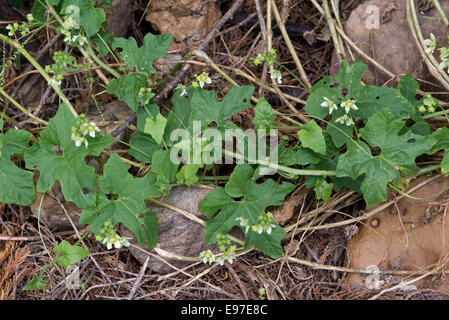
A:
(398, 152)
(369, 99)
(69, 254)
(127, 88)
(91, 18)
(264, 115)
(16, 184)
(255, 199)
(312, 137)
(154, 47)
(126, 202)
(156, 127)
(57, 158)
(207, 109)
(36, 283)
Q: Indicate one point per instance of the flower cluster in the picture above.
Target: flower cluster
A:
(265, 224)
(83, 128)
(109, 237)
(71, 30)
(348, 105)
(144, 96)
(224, 244)
(429, 104)
(63, 63)
(24, 28)
(268, 57)
(431, 45)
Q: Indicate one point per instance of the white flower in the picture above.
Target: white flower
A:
(80, 39)
(444, 64)
(67, 34)
(348, 105)
(69, 23)
(345, 120)
(89, 128)
(430, 44)
(207, 256)
(276, 75)
(203, 79)
(116, 241)
(329, 104)
(270, 228)
(229, 256)
(183, 90)
(30, 18)
(53, 82)
(244, 223)
(11, 30)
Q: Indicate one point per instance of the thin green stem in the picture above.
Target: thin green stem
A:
(91, 53)
(277, 167)
(21, 108)
(436, 114)
(41, 70)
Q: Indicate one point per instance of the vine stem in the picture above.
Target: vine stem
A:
(277, 167)
(21, 108)
(83, 52)
(305, 80)
(41, 70)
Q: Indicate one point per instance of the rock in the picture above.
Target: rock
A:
(392, 44)
(176, 233)
(52, 213)
(413, 240)
(118, 17)
(187, 20)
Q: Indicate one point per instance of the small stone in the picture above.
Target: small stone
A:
(176, 233)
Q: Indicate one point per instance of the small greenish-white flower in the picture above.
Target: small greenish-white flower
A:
(207, 257)
(67, 34)
(430, 44)
(444, 55)
(89, 129)
(229, 256)
(79, 140)
(195, 84)
(329, 104)
(12, 28)
(345, 120)
(431, 109)
(276, 75)
(30, 18)
(116, 241)
(69, 23)
(261, 292)
(348, 105)
(81, 40)
(183, 90)
(203, 79)
(54, 82)
(244, 223)
(422, 109)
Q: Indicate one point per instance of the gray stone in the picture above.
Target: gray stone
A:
(176, 233)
